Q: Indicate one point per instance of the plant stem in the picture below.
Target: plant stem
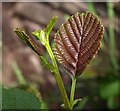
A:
(72, 91)
(58, 78)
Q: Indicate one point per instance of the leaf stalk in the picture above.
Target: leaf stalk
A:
(72, 91)
(58, 78)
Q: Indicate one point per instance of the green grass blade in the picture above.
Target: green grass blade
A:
(111, 16)
(91, 7)
(18, 73)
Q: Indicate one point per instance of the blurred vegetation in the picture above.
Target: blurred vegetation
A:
(106, 84)
(26, 86)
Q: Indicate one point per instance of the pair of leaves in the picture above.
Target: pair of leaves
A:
(42, 35)
(77, 41)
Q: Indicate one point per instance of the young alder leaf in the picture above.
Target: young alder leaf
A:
(37, 34)
(77, 41)
(43, 35)
(50, 26)
(31, 42)
(14, 98)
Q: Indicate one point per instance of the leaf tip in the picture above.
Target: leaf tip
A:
(16, 29)
(55, 17)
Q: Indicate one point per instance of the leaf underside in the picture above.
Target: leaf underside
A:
(30, 41)
(77, 41)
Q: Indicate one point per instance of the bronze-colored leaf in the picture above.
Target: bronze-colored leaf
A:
(77, 41)
(30, 41)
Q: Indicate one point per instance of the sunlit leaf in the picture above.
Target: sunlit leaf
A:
(77, 41)
(43, 35)
(37, 34)
(50, 26)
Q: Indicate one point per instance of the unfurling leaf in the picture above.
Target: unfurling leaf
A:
(50, 26)
(43, 35)
(40, 35)
(30, 41)
(77, 41)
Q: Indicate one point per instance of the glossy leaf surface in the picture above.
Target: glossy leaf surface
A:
(77, 41)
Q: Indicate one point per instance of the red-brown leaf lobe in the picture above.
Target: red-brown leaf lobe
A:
(77, 41)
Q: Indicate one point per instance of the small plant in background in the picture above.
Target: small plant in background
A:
(75, 44)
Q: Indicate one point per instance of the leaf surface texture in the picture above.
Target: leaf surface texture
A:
(77, 41)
